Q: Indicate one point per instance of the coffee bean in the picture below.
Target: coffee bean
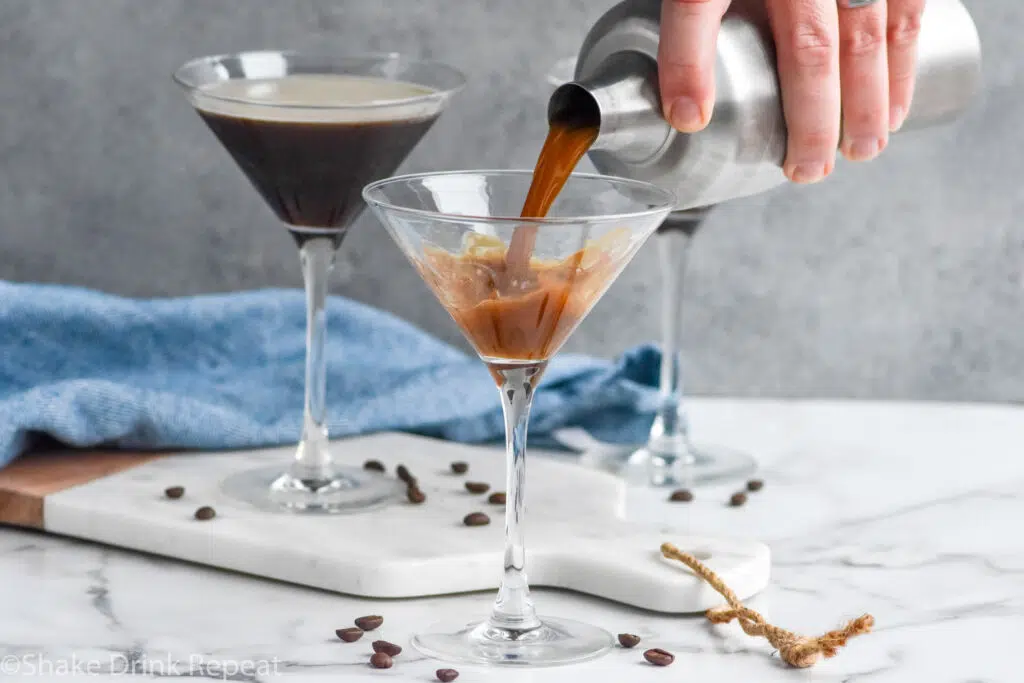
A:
(174, 492)
(659, 657)
(446, 675)
(476, 519)
(755, 485)
(402, 472)
(374, 466)
(349, 635)
(496, 498)
(414, 495)
(628, 640)
(458, 468)
(681, 496)
(381, 660)
(205, 513)
(738, 499)
(477, 487)
(370, 623)
(390, 649)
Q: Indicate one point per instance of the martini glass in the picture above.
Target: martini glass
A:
(309, 131)
(456, 229)
(670, 457)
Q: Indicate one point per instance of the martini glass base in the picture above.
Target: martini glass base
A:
(349, 491)
(702, 464)
(555, 642)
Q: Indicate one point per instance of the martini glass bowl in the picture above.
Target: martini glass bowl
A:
(456, 229)
(309, 130)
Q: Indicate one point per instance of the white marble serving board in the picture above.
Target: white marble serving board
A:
(576, 538)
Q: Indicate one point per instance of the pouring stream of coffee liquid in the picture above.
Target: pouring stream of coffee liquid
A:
(565, 145)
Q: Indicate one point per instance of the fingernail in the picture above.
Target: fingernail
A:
(862, 149)
(896, 117)
(685, 114)
(806, 173)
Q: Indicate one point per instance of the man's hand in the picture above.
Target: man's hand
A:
(857, 52)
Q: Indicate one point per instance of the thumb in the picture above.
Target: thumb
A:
(686, 60)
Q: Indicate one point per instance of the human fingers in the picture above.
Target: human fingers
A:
(686, 60)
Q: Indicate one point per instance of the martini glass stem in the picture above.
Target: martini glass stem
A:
(513, 609)
(669, 433)
(313, 458)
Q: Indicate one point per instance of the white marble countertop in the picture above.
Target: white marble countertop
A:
(912, 512)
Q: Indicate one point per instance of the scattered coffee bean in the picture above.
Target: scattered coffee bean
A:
(371, 622)
(374, 466)
(174, 492)
(755, 485)
(659, 657)
(496, 498)
(446, 675)
(458, 468)
(476, 519)
(349, 635)
(414, 495)
(390, 649)
(738, 499)
(403, 473)
(628, 640)
(681, 496)
(381, 660)
(205, 513)
(477, 487)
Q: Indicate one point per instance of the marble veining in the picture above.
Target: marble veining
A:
(908, 511)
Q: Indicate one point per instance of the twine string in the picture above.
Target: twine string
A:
(796, 650)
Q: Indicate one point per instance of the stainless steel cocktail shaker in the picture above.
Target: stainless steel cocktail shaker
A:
(741, 151)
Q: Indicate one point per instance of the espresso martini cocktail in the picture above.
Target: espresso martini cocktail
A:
(309, 131)
(310, 162)
(517, 278)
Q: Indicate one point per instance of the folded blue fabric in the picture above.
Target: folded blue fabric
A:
(226, 371)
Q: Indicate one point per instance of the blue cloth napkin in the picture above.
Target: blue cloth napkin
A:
(226, 371)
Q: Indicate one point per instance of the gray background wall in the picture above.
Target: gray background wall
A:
(902, 278)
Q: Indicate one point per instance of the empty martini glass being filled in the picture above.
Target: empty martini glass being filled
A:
(517, 288)
(309, 131)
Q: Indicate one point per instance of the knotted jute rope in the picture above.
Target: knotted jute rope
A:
(796, 650)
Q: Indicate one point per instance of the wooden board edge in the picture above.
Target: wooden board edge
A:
(25, 483)
(21, 510)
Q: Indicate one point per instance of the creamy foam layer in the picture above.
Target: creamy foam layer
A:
(318, 98)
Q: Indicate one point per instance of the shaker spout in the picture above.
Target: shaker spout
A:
(622, 101)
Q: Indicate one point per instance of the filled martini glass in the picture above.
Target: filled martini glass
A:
(516, 308)
(670, 457)
(309, 131)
